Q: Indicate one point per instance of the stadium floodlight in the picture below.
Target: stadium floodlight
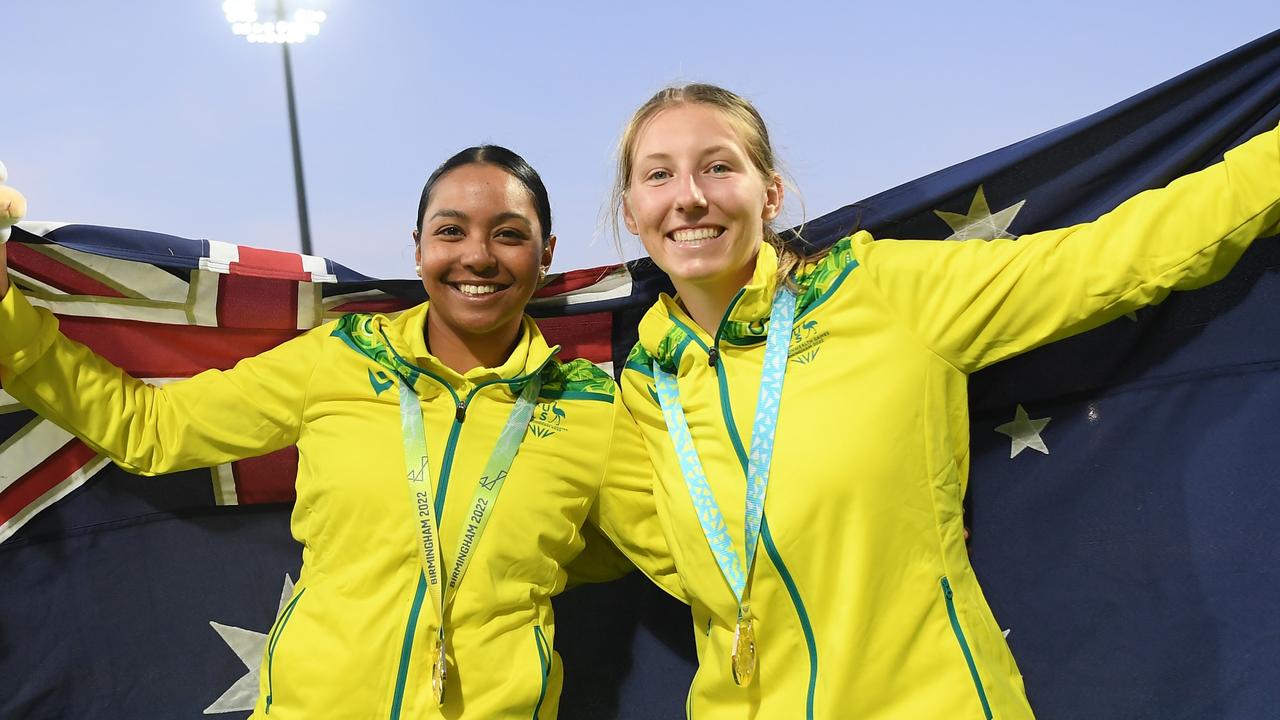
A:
(246, 21)
(284, 31)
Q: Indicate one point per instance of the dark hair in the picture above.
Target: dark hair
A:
(515, 166)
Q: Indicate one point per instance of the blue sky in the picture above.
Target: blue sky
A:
(151, 114)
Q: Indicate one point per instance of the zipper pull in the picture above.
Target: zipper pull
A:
(946, 588)
(713, 356)
(461, 413)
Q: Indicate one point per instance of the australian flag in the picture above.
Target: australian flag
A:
(1121, 496)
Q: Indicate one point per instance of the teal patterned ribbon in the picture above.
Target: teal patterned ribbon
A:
(735, 571)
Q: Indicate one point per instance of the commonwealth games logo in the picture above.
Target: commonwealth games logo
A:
(548, 419)
(806, 340)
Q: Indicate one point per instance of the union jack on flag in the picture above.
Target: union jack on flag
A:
(165, 308)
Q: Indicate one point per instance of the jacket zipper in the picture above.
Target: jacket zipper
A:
(420, 592)
(271, 645)
(446, 469)
(964, 646)
(766, 537)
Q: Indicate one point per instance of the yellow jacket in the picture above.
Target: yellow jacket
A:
(866, 604)
(355, 639)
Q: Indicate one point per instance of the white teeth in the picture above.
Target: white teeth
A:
(695, 234)
(477, 289)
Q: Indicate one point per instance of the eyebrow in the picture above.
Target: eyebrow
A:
(455, 214)
(510, 215)
(713, 150)
(500, 217)
(717, 149)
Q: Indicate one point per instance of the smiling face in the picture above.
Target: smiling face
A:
(696, 200)
(479, 253)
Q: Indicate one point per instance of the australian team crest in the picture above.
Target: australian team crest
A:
(548, 419)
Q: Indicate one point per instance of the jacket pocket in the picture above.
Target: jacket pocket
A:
(544, 663)
(964, 646)
(273, 640)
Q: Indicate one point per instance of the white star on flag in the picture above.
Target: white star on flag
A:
(980, 222)
(249, 647)
(1025, 433)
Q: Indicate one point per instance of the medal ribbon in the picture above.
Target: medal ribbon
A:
(735, 571)
(430, 553)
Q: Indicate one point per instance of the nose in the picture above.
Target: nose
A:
(690, 196)
(476, 254)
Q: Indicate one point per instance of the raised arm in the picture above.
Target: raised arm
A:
(977, 302)
(212, 418)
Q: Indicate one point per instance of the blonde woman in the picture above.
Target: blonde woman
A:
(845, 590)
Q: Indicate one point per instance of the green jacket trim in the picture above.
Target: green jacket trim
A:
(406, 648)
(275, 640)
(575, 395)
(544, 659)
(806, 626)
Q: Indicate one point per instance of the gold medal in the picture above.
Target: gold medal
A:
(439, 672)
(744, 651)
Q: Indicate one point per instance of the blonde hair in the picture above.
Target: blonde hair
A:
(751, 130)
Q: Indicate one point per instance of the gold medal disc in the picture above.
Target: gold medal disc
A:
(439, 672)
(744, 652)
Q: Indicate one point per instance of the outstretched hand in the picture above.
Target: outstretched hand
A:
(12, 207)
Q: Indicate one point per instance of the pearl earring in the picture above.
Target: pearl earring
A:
(417, 270)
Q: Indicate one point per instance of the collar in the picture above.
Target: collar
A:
(666, 328)
(399, 344)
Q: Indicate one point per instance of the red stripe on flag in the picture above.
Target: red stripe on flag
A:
(160, 350)
(384, 305)
(52, 272)
(258, 262)
(267, 478)
(574, 280)
(245, 301)
(587, 336)
(43, 478)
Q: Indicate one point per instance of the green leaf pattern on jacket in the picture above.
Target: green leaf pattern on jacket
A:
(575, 376)
(814, 280)
(361, 333)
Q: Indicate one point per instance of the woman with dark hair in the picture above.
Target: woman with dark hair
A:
(408, 605)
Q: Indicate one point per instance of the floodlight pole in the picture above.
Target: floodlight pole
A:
(304, 225)
(243, 16)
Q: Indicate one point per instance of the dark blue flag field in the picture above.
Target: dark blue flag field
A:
(1123, 497)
